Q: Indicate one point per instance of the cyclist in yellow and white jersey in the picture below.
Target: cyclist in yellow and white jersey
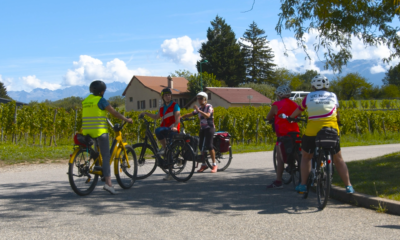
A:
(322, 111)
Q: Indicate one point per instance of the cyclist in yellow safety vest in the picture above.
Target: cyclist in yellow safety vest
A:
(94, 123)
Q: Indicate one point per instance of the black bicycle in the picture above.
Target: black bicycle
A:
(178, 159)
(320, 177)
(223, 159)
(292, 148)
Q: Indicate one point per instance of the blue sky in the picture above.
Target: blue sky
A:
(55, 44)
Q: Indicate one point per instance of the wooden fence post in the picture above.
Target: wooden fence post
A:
(243, 136)
(219, 124)
(15, 122)
(257, 132)
(369, 125)
(53, 137)
(357, 129)
(383, 125)
(234, 123)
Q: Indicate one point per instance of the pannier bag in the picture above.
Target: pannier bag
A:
(222, 141)
(194, 143)
(82, 140)
(327, 137)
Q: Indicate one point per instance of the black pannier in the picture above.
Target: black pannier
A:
(194, 143)
(327, 137)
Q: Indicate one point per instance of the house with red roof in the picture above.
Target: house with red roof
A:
(232, 97)
(144, 92)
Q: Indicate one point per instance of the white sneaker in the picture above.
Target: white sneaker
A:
(109, 189)
(168, 178)
(162, 151)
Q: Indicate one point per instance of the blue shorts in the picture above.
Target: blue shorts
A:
(164, 132)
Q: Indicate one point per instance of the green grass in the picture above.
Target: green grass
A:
(377, 177)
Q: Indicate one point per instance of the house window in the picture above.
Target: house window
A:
(180, 102)
(143, 104)
(138, 104)
(184, 101)
(155, 103)
(131, 99)
(209, 96)
(176, 100)
(150, 103)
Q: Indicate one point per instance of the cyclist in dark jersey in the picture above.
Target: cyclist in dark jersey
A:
(282, 128)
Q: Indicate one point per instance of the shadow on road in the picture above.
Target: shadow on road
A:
(230, 193)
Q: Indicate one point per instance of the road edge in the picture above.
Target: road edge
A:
(366, 201)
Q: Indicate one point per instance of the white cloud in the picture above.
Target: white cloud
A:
(88, 69)
(32, 82)
(377, 69)
(182, 50)
(7, 82)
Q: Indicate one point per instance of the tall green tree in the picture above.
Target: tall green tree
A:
(194, 85)
(392, 76)
(258, 55)
(306, 80)
(3, 91)
(225, 59)
(336, 23)
(351, 86)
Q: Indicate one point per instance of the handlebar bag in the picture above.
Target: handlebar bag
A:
(222, 141)
(327, 137)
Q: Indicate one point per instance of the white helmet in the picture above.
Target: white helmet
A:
(283, 91)
(203, 94)
(320, 82)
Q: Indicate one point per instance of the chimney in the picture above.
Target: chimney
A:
(170, 82)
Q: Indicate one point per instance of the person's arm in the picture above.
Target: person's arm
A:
(206, 115)
(153, 116)
(118, 115)
(188, 115)
(300, 109)
(174, 126)
(272, 113)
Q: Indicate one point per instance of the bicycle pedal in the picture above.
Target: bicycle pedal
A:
(88, 180)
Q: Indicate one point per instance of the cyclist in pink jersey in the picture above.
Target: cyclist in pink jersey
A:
(282, 128)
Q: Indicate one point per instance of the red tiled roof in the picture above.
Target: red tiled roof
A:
(239, 95)
(157, 84)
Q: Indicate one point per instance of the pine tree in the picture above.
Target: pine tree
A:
(3, 91)
(225, 59)
(258, 55)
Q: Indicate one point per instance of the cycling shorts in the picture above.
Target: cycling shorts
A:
(206, 138)
(308, 144)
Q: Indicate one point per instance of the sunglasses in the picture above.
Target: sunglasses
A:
(200, 98)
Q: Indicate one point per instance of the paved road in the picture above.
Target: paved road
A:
(36, 202)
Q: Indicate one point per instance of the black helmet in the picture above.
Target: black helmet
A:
(165, 90)
(97, 87)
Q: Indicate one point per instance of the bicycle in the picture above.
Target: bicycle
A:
(85, 163)
(292, 143)
(321, 173)
(222, 161)
(178, 159)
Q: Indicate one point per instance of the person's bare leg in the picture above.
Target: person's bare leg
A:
(163, 143)
(280, 164)
(108, 181)
(305, 166)
(341, 168)
(212, 153)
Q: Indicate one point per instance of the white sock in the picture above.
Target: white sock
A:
(214, 164)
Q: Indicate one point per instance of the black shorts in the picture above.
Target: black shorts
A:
(206, 138)
(308, 144)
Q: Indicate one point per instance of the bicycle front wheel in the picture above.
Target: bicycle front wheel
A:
(126, 168)
(147, 162)
(223, 160)
(81, 180)
(181, 161)
(324, 182)
(296, 172)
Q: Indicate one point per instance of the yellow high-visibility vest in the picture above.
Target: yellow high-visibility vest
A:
(94, 120)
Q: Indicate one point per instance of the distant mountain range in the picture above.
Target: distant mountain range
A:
(40, 94)
(117, 88)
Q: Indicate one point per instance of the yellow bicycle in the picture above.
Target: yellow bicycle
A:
(85, 164)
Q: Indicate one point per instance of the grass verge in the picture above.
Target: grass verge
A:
(377, 177)
(27, 153)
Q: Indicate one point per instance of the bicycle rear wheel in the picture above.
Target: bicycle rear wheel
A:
(81, 180)
(147, 162)
(286, 175)
(223, 161)
(181, 161)
(324, 182)
(296, 172)
(125, 175)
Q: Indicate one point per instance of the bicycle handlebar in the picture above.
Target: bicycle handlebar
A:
(298, 119)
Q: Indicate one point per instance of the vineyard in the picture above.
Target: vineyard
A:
(43, 125)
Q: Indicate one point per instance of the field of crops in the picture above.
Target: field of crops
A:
(43, 125)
